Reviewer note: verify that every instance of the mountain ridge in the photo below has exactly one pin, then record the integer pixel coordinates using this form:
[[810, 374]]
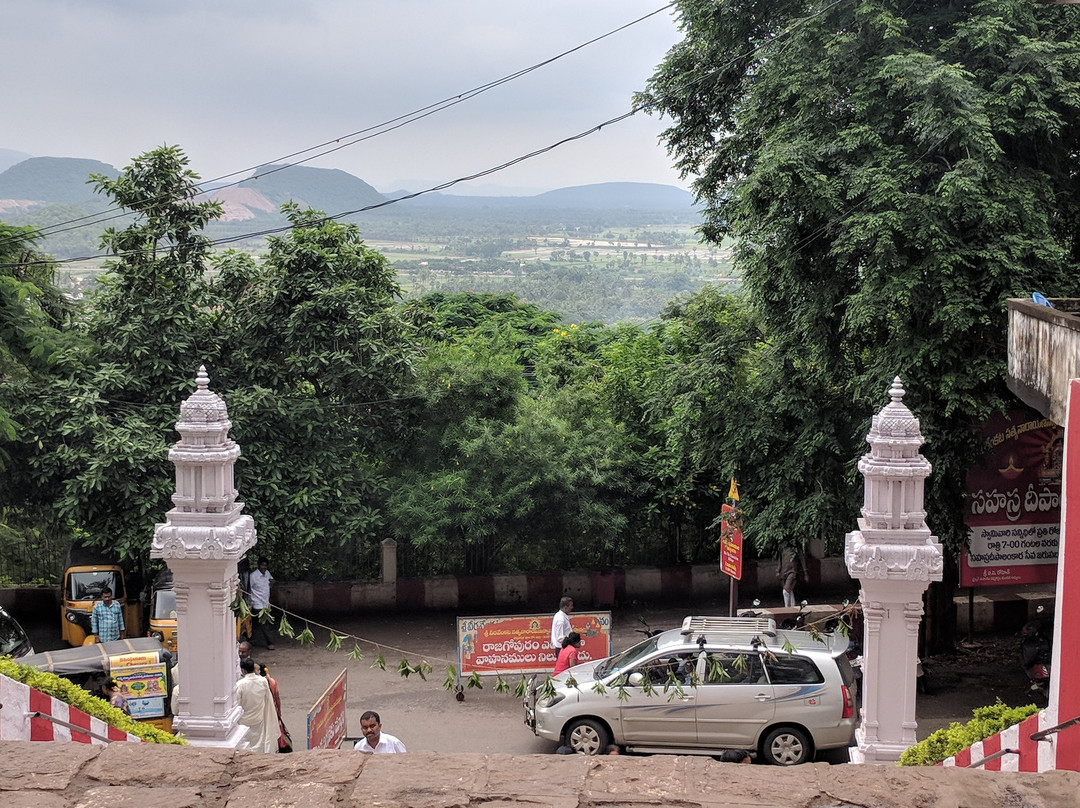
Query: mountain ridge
[[43, 181]]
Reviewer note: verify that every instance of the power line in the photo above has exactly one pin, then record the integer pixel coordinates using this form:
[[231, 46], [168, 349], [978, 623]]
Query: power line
[[358, 136], [789, 30]]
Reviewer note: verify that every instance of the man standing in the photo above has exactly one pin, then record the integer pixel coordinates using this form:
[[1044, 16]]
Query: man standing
[[560, 624], [260, 599], [259, 716], [789, 569], [107, 618], [377, 742]]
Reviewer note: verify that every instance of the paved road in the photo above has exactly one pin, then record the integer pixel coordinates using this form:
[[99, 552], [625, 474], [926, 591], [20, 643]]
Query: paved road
[[426, 716]]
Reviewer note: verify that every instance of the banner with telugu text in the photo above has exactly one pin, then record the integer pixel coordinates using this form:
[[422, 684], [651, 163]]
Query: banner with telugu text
[[1014, 504], [521, 643]]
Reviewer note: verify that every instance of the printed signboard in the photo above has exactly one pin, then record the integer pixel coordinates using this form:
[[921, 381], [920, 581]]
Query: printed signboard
[[1013, 506], [522, 643], [326, 719], [140, 681], [730, 542]]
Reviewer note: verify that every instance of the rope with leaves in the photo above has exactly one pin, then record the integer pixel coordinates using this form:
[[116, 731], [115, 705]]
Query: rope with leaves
[[673, 686]]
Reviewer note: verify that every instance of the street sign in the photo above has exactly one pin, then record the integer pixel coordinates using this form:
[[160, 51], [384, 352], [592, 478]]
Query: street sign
[[730, 543]]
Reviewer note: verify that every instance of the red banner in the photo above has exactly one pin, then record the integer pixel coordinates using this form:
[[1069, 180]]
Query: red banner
[[730, 542], [1013, 506], [521, 643], [326, 719]]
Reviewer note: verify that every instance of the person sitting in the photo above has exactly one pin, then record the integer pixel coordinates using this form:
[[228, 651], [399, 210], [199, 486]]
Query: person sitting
[[568, 656], [735, 756], [117, 699]]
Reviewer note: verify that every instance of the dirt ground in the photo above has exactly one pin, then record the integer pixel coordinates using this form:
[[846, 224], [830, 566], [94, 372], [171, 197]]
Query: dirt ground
[[427, 717]]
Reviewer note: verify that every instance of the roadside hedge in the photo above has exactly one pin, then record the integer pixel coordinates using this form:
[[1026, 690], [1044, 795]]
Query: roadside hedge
[[69, 692], [944, 743]]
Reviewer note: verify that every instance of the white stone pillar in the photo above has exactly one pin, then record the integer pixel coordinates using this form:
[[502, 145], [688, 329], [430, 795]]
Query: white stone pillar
[[202, 539], [894, 557]]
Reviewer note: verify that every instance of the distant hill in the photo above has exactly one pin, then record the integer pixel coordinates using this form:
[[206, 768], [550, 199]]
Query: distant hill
[[47, 191], [329, 190], [601, 196], [54, 180], [9, 157], [617, 195]]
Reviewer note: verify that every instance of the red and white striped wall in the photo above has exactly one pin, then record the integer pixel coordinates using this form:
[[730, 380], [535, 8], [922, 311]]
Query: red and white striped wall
[[1059, 750], [1025, 755], [18, 702]]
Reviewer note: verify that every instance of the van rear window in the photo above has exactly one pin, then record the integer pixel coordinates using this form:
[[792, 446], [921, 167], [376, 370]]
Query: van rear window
[[793, 670]]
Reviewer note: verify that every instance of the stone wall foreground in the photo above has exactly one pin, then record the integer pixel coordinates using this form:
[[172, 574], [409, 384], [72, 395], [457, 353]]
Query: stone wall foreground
[[66, 775]]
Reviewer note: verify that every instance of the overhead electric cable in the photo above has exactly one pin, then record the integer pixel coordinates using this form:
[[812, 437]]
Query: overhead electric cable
[[271, 231], [358, 136]]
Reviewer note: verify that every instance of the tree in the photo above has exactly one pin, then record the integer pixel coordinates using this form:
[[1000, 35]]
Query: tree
[[316, 356], [892, 174], [93, 449]]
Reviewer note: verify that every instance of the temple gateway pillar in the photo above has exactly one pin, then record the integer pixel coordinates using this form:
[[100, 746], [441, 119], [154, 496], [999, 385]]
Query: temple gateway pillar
[[203, 537], [894, 557]]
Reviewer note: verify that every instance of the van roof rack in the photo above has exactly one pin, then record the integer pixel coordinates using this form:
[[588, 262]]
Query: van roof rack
[[763, 628], [727, 625]]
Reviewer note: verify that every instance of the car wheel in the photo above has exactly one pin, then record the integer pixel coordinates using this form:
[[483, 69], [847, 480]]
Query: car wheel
[[785, 746], [586, 736]]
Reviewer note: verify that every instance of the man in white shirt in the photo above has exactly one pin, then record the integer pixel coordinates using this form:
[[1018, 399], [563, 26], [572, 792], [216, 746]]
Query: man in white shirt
[[259, 582], [259, 714], [560, 624], [377, 742]]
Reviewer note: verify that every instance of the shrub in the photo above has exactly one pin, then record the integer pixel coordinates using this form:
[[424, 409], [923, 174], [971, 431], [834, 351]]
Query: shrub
[[945, 743], [69, 692]]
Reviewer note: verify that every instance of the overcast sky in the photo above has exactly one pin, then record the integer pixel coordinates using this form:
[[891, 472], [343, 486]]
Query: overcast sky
[[237, 83]]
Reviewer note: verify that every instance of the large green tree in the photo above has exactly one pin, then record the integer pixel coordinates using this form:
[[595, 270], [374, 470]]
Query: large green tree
[[315, 355], [892, 173], [92, 450]]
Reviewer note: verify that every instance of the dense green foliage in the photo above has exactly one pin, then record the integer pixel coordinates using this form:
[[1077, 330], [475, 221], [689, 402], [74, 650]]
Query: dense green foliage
[[66, 691], [944, 743], [892, 173], [889, 176]]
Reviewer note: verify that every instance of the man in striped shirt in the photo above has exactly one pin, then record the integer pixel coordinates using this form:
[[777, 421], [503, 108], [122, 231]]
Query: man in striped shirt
[[107, 618]]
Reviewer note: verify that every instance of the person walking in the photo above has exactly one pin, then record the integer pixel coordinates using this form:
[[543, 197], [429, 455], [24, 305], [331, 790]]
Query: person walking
[[258, 713], [377, 742], [260, 582], [284, 738], [560, 624], [790, 567], [107, 618]]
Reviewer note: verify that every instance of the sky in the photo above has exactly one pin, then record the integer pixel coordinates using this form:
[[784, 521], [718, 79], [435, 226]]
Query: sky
[[240, 83]]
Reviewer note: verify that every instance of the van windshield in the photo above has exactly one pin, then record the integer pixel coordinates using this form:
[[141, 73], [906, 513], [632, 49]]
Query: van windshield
[[627, 659], [88, 585]]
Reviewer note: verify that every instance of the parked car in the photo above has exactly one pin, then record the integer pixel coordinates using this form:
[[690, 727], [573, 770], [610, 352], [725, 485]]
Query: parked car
[[13, 640], [716, 683]]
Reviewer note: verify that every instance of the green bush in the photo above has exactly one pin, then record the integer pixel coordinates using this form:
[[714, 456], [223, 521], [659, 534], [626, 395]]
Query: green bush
[[944, 743], [69, 692]]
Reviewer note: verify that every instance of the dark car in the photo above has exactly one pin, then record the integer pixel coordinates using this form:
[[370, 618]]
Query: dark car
[[13, 640]]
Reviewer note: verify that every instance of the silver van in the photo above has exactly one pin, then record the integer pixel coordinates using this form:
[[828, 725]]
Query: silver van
[[716, 683]]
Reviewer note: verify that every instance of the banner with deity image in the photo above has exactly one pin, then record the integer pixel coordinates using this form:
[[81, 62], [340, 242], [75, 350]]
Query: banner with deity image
[[1014, 503]]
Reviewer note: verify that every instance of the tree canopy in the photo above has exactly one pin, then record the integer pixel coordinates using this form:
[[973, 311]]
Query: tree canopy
[[891, 173]]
